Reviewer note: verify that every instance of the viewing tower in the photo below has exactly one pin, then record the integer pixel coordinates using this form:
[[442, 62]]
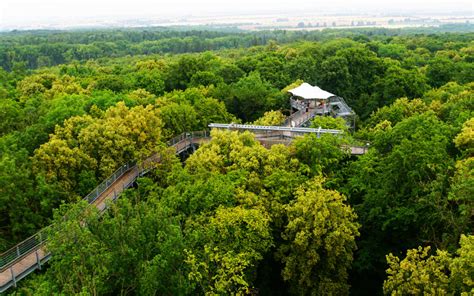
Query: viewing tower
[[309, 101]]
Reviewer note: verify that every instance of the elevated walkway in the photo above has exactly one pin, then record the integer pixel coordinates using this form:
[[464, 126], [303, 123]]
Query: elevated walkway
[[300, 118], [284, 130], [340, 108], [31, 254]]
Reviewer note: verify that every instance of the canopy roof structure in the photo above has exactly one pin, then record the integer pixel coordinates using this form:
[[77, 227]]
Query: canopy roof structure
[[308, 92]]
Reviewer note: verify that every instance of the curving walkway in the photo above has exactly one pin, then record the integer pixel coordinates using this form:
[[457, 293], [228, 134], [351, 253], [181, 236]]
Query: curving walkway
[[29, 255]]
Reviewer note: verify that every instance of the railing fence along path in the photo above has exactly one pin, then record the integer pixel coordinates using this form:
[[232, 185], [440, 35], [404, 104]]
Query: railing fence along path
[[30, 254]]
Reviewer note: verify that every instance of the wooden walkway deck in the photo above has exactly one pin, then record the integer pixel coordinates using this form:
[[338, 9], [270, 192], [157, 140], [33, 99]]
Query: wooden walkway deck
[[37, 255]]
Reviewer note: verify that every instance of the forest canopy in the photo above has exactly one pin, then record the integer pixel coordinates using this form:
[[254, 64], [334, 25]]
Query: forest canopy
[[236, 217]]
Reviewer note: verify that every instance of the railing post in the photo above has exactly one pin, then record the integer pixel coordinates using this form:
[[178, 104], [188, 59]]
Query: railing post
[[13, 277], [17, 250], [38, 261]]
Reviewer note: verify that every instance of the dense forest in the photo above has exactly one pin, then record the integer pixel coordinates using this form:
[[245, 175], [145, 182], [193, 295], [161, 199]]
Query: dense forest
[[235, 217]]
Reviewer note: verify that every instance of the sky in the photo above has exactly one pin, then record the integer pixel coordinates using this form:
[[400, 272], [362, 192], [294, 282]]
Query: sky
[[28, 11]]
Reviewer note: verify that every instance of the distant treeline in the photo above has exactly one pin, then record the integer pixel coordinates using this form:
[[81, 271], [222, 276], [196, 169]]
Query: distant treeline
[[35, 49]]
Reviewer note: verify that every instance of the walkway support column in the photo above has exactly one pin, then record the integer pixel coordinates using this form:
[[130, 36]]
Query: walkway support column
[[13, 276], [38, 261]]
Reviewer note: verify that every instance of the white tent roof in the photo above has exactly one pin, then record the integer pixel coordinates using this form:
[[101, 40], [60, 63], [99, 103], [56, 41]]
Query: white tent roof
[[306, 91]]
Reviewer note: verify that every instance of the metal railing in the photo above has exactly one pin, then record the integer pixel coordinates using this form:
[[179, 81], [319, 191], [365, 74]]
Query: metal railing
[[102, 187], [297, 104], [23, 248], [359, 150], [293, 130], [343, 108], [34, 242], [299, 118], [288, 120], [337, 106], [187, 136]]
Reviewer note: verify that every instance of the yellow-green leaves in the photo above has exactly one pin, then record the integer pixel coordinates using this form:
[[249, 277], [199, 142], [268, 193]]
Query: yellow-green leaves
[[462, 191], [245, 230], [225, 150], [99, 144], [220, 274], [420, 273], [235, 239], [62, 163], [49, 85], [270, 118], [462, 267], [123, 134], [319, 241], [465, 139]]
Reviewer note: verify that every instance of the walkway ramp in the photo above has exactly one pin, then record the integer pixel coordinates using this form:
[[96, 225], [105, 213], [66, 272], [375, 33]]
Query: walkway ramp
[[340, 107], [31, 254], [300, 118]]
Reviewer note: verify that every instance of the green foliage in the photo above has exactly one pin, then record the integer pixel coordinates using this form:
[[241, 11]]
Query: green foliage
[[396, 112], [205, 78], [150, 80], [440, 71], [271, 118], [178, 118], [213, 225], [392, 50], [465, 139], [77, 271], [192, 196], [98, 144], [235, 239], [404, 187], [319, 241], [141, 249], [110, 82], [210, 110], [329, 122], [398, 82], [11, 116], [250, 97], [335, 74], [21, 198], [438, 274], [191, 110], [322, 154]]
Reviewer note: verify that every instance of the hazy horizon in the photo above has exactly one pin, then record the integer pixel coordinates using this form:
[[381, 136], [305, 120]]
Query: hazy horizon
[[30, 13]]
